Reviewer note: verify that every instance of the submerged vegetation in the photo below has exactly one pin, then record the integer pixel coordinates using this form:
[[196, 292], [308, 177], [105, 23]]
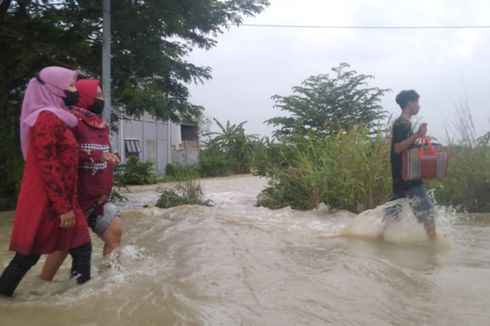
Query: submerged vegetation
[[188, 192]]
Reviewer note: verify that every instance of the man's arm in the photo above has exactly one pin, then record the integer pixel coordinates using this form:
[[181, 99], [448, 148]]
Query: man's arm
[[405, 144]]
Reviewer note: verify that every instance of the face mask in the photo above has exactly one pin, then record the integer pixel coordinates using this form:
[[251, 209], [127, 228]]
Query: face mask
[[71, 98], [97, 107]]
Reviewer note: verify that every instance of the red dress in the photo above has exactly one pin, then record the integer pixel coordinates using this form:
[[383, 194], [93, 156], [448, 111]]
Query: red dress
[[48, 190]]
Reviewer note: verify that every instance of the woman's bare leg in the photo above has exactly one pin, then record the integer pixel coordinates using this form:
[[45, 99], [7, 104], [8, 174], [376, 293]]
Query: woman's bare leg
[[52, 264]]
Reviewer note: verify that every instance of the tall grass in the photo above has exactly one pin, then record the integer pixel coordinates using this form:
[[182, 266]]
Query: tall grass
[[347, 171], [467, 186]]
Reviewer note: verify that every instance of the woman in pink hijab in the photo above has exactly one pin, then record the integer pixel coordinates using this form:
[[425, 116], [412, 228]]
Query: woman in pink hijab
[[48, 216]]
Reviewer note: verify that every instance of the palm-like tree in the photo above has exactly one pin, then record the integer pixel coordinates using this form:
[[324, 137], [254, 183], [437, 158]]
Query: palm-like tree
[[232, 140]]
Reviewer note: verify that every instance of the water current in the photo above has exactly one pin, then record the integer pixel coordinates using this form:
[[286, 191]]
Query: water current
[[238, 264]]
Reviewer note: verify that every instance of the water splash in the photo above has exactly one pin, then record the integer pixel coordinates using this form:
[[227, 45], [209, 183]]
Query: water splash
[[404, 229]]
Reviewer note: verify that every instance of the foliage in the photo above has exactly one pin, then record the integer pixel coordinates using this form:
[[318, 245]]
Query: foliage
[[327, 105], [170, 170], [179, 172], [135, 172], [188, 192], [346, 171], [149, 52], [150, 41], [215, 164], [10, 174], [267, 155], [467, 186], [232, 142], [117, 196]]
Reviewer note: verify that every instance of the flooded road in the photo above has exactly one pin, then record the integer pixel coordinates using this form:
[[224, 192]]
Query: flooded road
[[237, 264]]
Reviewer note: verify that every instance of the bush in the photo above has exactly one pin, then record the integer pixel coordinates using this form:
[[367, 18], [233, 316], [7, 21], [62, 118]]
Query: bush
[[215, 164], [188, 192], [170, 170], [180, 172], [135, 172], [467, 186], [347, 171]]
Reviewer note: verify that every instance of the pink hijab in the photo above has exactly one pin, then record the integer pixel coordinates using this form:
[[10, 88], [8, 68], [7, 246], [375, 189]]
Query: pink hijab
[[49, 96]]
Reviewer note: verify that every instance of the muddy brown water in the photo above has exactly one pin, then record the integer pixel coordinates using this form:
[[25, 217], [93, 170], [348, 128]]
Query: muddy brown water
[[237, 264]]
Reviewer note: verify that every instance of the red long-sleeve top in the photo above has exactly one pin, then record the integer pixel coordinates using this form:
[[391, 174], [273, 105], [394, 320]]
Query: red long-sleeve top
[[48, 190]]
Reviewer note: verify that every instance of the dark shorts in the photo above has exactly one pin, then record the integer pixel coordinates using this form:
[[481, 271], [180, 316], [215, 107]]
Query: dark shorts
[[419, 202]]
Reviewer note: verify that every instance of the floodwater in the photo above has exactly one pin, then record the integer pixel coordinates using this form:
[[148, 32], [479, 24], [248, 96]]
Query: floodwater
[[237, 264]]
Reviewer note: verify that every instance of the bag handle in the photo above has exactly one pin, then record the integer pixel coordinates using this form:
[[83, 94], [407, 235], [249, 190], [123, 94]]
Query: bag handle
[[431, 149]]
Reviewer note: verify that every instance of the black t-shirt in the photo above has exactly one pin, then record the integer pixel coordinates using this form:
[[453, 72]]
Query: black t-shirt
[[402, 129]]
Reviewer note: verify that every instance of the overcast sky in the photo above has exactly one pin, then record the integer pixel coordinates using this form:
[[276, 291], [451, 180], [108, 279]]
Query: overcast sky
[[447, 67]]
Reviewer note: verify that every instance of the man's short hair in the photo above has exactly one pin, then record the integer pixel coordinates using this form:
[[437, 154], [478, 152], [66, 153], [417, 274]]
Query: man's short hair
[[406, 96]]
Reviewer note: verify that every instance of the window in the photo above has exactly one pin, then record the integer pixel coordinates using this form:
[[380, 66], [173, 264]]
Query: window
[[132, 147], [189, 132]]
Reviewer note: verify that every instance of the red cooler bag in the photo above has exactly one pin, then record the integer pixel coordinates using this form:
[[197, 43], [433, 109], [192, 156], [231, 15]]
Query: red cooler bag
[[425, 161]]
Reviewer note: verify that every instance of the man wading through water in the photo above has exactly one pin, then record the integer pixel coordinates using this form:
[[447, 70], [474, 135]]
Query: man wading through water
[[402, 138]]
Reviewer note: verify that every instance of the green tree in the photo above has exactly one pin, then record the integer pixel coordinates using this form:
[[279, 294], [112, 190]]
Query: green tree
[[327, 104], [151, 41]]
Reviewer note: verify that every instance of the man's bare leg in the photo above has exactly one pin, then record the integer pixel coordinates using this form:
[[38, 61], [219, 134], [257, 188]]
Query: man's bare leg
[[430, 228]]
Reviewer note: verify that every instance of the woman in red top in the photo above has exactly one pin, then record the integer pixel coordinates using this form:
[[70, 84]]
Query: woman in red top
[[48, 216], [95, 173]]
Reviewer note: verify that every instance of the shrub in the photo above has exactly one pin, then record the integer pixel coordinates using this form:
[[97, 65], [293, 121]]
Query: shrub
[[347, 171], [170, 170], [467, 186], [135, 172], [180, 172], [188, 192], [215, 164]]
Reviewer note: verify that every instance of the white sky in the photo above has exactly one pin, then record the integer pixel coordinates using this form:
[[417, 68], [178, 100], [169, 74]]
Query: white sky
[[446, 67]]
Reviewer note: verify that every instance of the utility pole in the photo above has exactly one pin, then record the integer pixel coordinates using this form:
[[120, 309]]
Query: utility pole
[[116, 142], [106, 58]]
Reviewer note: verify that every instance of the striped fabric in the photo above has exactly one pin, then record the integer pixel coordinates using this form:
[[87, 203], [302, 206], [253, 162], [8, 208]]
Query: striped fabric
[[420, 163], [95, 167], [95, 147]]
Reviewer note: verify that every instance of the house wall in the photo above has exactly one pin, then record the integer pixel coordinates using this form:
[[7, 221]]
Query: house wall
[[160, 142]]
